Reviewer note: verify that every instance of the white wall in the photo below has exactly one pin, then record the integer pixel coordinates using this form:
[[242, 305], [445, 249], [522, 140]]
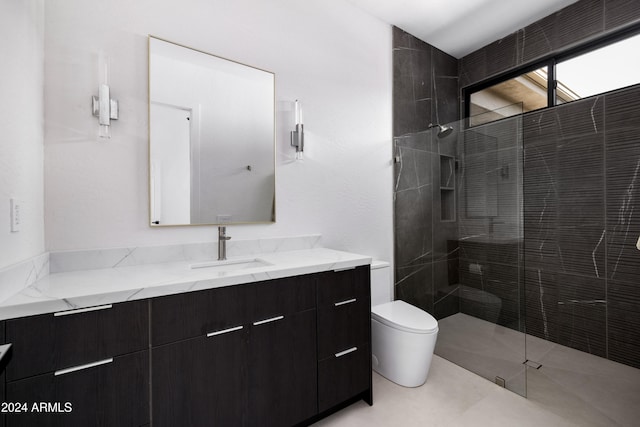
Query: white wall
[[21, 128], [331, 56]]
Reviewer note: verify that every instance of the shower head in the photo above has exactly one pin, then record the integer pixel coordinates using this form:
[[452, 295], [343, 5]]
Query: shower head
[[442, 130]]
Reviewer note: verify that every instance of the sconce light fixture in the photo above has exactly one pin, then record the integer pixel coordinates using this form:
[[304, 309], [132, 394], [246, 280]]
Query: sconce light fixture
[[297, 135], [102, 106]]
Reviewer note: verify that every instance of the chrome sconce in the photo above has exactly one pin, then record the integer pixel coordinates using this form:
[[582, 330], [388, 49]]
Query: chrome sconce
[[297, 135], [102, 106]]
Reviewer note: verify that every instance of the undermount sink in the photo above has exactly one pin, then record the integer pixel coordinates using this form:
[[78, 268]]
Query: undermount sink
[[232, 264]]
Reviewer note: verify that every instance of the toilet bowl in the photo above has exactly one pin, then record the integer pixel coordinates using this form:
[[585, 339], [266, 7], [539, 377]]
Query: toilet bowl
[[403, 339], [403, 336]]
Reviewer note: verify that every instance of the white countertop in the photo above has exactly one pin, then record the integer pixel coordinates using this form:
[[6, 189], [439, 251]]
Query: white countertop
[[86, 288]]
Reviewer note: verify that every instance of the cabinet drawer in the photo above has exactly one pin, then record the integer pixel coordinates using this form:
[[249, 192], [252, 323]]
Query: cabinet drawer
[[343, 326], [49, 342], [194, 314], [337, 286], [110, 394], [281, 297], [343, 376]]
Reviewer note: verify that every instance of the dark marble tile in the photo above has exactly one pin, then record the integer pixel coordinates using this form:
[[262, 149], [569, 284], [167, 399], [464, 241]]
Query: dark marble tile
[[445, 87], [540, 128], [566, 309], [414, 171], [582, 313], [414, 285], [404, 108], [447, 304], [424, 112], [620, 12], [440, 276], [421, 71], [473, 68], [536, 39], [444, 65], [453, 262], [623, 322], [502, 54], [581, 251], [623, 193], [402, 39], [503, 283], [581, 118], [577, 22], [445, 92], [413, 226], [417, 141], [541, 304]]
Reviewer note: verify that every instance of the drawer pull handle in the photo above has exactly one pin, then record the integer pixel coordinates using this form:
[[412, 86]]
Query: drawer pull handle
[[82, 310], [349, 301], [273, 319], [342, 353], [224, 331], [81, 367]]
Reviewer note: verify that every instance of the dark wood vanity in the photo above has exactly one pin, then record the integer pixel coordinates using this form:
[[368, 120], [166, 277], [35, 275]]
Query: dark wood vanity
[[281, 352]]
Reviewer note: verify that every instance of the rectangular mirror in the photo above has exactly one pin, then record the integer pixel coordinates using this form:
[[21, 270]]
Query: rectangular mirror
[[211, 139]]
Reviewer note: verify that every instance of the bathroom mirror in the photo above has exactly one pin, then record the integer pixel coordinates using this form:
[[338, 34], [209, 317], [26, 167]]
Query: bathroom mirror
[[211, 139]]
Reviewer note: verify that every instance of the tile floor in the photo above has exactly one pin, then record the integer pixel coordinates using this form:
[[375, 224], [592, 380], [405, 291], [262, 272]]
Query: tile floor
[[571, 388]]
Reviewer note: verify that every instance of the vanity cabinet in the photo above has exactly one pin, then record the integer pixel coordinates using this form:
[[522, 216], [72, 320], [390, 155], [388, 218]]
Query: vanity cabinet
[[253, 363], [344, 337], [280, 352], [80, 367]]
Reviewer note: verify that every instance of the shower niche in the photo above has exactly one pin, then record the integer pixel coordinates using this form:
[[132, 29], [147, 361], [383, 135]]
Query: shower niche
[[447, 188]]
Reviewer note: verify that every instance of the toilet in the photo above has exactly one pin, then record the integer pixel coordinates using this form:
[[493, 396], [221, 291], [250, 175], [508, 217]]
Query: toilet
[[403, 336]]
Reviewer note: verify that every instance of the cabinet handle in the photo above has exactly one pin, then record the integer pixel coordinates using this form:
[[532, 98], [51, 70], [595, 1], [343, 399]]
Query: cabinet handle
[[224, 331], [273, 319], [81, 367], [349, 301], [342, 353], [337, 270], [82, 310]]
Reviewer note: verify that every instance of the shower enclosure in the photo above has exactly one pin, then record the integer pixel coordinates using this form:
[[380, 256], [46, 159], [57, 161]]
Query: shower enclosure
[[519, 235]]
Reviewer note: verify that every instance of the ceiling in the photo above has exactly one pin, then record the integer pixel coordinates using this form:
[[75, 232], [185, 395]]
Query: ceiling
[[459, 27]]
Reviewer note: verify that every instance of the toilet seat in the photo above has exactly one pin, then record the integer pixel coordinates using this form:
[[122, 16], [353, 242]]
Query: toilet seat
[[405, 317]]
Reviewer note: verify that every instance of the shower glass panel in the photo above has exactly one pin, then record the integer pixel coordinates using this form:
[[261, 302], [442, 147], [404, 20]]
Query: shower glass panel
[[480, 312]]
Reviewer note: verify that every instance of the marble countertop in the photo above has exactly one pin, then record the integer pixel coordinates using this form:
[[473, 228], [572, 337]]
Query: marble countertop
[[86, 288]]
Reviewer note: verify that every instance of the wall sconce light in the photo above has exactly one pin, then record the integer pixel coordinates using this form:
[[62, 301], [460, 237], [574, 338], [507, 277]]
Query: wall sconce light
[[297, 135], [102, 106]]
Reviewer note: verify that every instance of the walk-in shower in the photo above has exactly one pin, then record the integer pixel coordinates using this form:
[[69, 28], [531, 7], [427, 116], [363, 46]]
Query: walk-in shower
[[519, 236]]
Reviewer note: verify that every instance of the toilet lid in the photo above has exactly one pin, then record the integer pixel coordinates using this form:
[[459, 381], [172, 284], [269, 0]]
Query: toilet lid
[[400, 315]]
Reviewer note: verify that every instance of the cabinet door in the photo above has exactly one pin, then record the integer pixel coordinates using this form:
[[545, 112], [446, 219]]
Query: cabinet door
[[201, 381], [282, 375], [114, 393]]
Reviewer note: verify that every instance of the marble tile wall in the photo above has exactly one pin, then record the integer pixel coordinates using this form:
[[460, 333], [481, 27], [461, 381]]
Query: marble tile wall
[[581, 162], [575, 23], [582, 170], [425, 89]]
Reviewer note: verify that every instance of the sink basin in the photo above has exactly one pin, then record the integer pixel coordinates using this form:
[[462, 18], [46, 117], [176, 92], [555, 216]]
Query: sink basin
[[232, 264]]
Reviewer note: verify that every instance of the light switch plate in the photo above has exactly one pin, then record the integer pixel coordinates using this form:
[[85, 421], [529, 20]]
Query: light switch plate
[[16, 215]]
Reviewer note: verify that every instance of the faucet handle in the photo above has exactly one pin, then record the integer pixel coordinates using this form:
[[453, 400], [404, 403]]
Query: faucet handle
[[222, 233]]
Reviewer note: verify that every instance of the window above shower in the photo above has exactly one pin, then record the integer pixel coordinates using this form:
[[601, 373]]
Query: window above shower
[[601, 66]]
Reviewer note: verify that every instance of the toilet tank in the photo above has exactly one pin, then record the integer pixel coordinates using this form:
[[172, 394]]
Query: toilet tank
[[381, 286]]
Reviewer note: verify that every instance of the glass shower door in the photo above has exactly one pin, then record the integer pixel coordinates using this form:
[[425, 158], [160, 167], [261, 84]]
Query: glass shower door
[[482, 328]]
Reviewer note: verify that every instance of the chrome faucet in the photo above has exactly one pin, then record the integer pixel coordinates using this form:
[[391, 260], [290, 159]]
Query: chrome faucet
[[222, 243]]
